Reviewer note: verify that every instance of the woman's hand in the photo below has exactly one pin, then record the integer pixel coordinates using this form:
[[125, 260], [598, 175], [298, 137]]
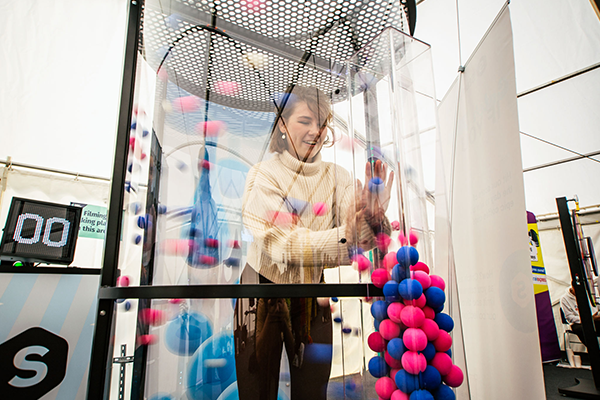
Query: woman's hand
[[375, 198]]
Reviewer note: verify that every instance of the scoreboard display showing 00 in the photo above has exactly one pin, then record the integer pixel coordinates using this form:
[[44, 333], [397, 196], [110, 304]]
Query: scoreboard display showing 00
[[38, 231]]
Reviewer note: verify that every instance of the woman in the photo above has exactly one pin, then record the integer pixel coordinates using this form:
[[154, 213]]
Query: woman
[[305, 215]]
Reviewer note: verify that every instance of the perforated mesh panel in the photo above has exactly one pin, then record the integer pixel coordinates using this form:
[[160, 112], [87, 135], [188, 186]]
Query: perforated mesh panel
[[305, 42]]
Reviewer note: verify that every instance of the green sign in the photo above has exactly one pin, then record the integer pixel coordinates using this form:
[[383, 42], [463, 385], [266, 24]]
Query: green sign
[[93, 222]]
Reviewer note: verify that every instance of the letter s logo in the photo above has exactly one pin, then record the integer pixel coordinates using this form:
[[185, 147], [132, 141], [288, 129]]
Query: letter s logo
[[32, 364]]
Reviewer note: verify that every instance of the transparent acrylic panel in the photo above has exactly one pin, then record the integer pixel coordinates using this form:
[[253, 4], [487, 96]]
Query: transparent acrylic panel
[[250, 348], [255, 164]]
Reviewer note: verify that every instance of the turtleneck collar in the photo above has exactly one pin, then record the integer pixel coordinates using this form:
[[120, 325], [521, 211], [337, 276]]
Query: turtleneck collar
[[300, 167]]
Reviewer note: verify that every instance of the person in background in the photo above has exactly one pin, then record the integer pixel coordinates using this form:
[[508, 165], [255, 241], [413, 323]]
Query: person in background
[[568, 305]]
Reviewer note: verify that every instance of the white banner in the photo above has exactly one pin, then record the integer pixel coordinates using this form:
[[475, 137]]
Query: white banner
[[489, 225]]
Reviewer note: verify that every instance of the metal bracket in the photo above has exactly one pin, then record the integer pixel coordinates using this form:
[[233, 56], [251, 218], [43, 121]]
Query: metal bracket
[[123, 359]]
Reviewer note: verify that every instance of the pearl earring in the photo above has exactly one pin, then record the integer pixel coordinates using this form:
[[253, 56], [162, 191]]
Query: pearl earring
[[283, 137]]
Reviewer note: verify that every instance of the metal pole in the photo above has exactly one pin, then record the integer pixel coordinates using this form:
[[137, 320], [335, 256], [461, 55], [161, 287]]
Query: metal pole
[[104, 314], [584, 388]]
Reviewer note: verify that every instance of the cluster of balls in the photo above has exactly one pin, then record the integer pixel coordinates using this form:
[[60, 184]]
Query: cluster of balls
[[412, 334]]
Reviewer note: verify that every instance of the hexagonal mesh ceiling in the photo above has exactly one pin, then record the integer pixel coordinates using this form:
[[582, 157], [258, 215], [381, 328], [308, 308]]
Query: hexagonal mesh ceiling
[[242, 53]]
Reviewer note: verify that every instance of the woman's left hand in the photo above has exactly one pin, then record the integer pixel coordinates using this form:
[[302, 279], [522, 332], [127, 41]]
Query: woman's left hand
[[376, 196]]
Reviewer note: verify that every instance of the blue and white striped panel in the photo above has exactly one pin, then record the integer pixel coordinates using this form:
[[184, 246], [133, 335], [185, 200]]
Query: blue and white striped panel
[[62, 304]]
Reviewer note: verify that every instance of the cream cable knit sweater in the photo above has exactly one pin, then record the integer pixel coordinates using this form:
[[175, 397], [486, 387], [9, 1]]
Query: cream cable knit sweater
[[290, 249]]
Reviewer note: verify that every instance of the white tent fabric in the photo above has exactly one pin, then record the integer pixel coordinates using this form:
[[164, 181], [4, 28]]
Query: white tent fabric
[[551, 40], [61, 67], [486, 203]]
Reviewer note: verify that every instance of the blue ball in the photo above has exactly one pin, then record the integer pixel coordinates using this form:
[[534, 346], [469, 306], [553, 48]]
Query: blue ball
[[407, 256], [137, 239], [390, 291], [145, 133], [410, 289], [186, 332], [162, 209], [396, 348], [337, 320], [444, 321], [406, 382], [399, 273], [421, 395], [376, 185], [435, 297], [439, 309], [347, 330], [429, 352], [134, 125], [378, 367], [379, 310], [449, 352], [212, 368], [334, 299], [444, 393], [431, 379], [141, 222], [127, 306], [376, 324]]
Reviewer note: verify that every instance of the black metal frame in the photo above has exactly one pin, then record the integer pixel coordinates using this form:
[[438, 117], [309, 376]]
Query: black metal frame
[[101, 357], [104, 313], [584, 389]]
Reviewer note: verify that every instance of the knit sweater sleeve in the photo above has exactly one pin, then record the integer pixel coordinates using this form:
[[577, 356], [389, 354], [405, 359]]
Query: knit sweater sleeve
[[275, 232]]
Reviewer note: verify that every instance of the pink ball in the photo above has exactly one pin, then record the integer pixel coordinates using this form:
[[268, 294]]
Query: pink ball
[[362, 262], [431, 329], [442, 362], [186, 104], [394, 311], [384, 387], [207, 260], [393, 373], [162, 74], [429, 313], [389, 260], [227, 88], [389, 329], [144, 340], [391, 361], [443, 342], [376, 342], [420, 266], [320, 209], [210, 242], [281, 219], [176, 246], [413, 237], [402, 239], [422, 277], [383, 241], [399, 395], [412, 316], [132, 142], [455, 377], [414, 339], [205, 164], [414, 362], [253, 6], [395, 225], [151, 316], [210, 128], [123, 281], [420, 302], [379, 277], [437, 281], [175, 301]]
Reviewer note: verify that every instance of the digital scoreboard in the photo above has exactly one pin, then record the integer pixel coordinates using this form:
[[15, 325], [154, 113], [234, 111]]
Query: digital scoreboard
[[37, 231]]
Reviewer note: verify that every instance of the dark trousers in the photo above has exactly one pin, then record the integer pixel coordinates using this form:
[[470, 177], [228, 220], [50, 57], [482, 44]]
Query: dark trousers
[[578, 330], [282, 323]]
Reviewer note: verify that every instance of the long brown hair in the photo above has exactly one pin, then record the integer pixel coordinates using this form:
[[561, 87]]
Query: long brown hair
[[318, 103]]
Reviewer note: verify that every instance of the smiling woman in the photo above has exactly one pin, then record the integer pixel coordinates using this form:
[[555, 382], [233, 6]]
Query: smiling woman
[[305, 215]]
